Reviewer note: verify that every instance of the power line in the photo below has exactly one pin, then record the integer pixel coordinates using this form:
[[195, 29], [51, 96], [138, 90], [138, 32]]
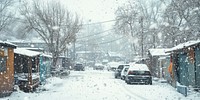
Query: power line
[[95, 34], [91, 39], [107, 21], [109, 41]]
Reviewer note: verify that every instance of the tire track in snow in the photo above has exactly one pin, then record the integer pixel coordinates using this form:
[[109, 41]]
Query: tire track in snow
[[129, 92]]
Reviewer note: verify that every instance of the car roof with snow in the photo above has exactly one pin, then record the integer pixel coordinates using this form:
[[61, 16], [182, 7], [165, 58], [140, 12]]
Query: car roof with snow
[[124, 64], [98, 64], [141, 67]]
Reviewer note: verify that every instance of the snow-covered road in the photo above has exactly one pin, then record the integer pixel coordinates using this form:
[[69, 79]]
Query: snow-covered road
[[99, 85]]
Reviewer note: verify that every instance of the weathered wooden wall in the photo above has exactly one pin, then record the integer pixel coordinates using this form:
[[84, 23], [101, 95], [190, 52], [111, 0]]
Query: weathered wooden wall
[[7, 77]]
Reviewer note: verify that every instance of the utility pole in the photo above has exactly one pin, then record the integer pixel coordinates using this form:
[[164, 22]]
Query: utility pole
[[74, 51], [85, 53], [142, 35]]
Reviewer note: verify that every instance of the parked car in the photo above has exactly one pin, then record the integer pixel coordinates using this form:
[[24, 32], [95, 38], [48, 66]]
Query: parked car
[[98, 66], [79, 67], [124, 72], [138, 74], [119, 70], [112, 66]]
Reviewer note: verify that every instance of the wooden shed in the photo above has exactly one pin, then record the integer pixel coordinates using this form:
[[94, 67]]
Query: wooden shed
[[6, 68], [27, 69], [154, 65], [185, 59]]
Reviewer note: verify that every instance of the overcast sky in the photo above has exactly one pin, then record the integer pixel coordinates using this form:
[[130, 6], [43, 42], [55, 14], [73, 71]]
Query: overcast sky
[[95, 10]]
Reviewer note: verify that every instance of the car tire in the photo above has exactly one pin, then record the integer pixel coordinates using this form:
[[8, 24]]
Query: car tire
[[150, 83], [127, 82], [123, 78]]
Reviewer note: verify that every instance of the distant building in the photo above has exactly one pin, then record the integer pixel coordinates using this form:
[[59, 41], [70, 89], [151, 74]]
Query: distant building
[[88, 57], [116, 57], [155, 56], [34, 46]]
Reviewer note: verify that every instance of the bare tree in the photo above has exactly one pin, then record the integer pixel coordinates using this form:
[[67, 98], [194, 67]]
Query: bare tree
[[182, 18], [55, 25], [6, 17], [127, 23], [135, 20]]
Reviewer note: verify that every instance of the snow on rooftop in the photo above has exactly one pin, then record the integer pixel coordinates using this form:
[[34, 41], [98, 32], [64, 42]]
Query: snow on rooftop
[[46, 55], [114, 54], [28, 41], [153, 26], [26, 52], [158, 52], [8, 43], [83, 52], [183, 45]]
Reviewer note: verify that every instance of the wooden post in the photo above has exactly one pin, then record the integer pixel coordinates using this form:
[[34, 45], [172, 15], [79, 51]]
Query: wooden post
[[30, 82]]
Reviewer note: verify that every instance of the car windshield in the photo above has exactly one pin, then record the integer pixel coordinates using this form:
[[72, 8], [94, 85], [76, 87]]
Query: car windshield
[[120, 67]]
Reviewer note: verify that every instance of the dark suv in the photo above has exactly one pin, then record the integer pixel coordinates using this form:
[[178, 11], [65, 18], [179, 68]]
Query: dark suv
[[119, 70], [79, 67]]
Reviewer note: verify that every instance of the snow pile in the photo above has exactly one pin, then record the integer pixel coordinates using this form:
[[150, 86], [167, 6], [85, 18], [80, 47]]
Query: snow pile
[[52, 82]]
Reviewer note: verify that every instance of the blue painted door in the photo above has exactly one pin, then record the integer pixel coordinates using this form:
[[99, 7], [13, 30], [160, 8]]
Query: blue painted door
[[42, 70], [197, 67], [183, 74]]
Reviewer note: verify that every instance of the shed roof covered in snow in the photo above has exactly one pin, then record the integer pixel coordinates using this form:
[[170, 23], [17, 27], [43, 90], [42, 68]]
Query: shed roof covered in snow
[[183, 45], [8, 44], [114, 54], [158, 52], [26, 52], [46, 55]]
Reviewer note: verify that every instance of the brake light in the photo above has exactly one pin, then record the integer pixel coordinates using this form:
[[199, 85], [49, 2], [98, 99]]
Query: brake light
[[129, 72]]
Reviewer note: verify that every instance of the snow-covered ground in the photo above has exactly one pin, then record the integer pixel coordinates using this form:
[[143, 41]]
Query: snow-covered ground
[[99, 85]]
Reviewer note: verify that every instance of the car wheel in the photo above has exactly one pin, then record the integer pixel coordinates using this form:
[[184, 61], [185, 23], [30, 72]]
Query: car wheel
[[127, 82], [150, 83], [123, 77]]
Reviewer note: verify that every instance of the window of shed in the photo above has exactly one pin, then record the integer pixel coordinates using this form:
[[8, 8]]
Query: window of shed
[[2, 64]]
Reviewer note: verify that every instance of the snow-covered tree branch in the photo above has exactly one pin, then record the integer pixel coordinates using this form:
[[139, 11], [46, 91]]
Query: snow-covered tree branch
[[54, 24]]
